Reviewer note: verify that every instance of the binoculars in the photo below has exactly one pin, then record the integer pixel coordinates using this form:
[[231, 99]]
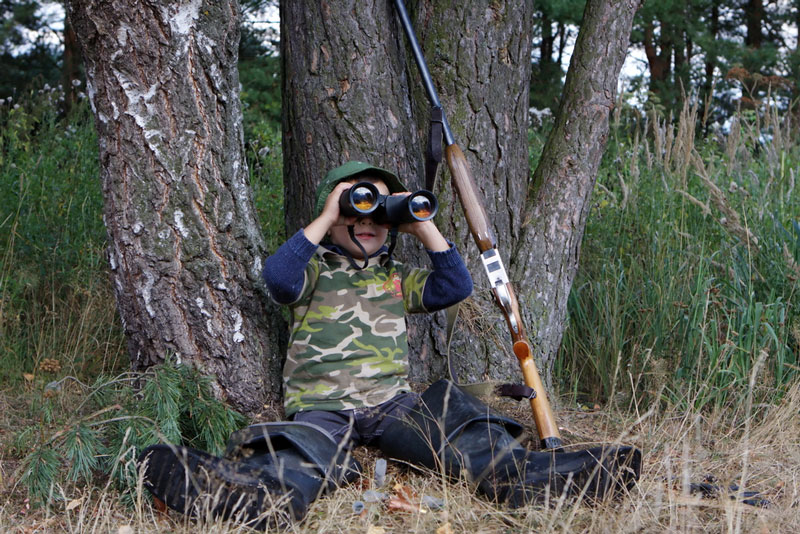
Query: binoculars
[[364, 200]]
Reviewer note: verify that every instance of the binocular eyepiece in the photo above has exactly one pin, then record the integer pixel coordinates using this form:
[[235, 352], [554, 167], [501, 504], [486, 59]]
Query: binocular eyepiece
[[364, 200]]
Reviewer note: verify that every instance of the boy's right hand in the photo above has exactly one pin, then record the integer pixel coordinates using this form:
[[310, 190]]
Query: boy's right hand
[[330, 216], [330, 212]]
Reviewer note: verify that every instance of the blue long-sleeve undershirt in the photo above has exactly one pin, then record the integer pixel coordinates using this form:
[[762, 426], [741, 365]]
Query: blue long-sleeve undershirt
[[284, 272]]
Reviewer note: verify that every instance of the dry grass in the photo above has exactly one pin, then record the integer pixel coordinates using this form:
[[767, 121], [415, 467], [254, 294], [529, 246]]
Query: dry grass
[[759, 452]]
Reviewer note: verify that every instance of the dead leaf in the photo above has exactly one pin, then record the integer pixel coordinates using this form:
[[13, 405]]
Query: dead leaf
[[74, 503], [404, 500], [375, 530], [28, 377], [398, 504], [445, 529], [160, 506], [405, 492]]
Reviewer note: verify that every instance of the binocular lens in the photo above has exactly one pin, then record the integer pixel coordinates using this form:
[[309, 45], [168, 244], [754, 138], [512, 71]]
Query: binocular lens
[[363, 198], [421, 206]]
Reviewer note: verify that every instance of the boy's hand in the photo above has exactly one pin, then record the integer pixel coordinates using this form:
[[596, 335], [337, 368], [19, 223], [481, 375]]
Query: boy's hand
[[330, 212], [330, 216], [426, 231]]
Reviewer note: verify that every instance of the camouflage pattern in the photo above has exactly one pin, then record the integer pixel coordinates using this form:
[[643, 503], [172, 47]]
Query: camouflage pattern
[[348, 346]]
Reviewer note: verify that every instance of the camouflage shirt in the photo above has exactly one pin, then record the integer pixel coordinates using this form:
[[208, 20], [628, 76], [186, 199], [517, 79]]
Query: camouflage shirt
[[348, 345]]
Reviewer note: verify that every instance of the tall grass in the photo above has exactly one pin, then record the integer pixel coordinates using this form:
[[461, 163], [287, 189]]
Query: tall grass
[[55, 304], [689, 265]]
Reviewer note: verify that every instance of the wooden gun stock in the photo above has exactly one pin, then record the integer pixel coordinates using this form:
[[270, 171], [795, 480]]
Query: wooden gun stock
[[477, 220], [478, 223]]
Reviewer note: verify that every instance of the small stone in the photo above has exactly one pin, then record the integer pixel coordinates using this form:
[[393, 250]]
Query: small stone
[[432, 503], [380, 472]]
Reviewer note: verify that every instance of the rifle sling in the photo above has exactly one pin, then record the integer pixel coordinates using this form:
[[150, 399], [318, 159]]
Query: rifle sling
[[433, 153]]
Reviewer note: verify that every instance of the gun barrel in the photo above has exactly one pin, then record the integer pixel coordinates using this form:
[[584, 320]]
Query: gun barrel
[[427, 81]]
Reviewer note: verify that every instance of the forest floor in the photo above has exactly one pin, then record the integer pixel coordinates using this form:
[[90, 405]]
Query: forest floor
[[755, 448]]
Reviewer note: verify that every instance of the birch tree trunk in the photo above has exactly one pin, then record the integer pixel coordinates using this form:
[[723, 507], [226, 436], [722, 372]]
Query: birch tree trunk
[[352, 92], [185, 248]]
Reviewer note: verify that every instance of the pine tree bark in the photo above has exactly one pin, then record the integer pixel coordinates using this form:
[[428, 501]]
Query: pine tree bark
[[184, 244], [558, 200], [352, 92]]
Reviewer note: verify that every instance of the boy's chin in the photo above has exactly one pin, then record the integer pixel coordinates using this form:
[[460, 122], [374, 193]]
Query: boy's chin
[[357, 253]]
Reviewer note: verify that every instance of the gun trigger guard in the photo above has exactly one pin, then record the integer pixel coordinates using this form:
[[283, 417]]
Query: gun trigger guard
[[505, 303]]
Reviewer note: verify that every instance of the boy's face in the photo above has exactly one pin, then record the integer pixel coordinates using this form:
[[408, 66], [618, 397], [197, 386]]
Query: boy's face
[[371, 236]]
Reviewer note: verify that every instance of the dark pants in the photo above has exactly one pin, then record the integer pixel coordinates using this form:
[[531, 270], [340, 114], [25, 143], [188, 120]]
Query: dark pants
[[360, 426]]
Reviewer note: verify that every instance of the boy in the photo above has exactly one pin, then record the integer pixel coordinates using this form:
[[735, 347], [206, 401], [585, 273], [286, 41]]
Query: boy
[[346, 383], [348, 348]]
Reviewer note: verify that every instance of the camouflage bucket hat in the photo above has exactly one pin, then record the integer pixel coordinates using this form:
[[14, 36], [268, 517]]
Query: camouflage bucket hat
[[349, 170]]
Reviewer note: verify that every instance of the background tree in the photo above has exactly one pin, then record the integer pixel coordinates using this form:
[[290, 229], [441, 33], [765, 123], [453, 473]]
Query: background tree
[[668, 32], [184, 245], [351, 93], [555, 24]]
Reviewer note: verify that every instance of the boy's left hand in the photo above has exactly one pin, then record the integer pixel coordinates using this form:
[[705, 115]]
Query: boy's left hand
[[426, 231]]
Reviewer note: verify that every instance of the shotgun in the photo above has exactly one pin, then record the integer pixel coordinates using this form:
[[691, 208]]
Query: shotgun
[[478, 223]]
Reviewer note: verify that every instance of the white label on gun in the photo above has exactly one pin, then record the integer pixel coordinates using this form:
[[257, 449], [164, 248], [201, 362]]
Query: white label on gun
[[494, 267]]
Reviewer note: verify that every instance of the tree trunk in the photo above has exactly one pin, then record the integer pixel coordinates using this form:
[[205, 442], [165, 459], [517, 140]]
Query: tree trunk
[[70, 70], [754, 18], [184, 244], [352, 92], [659, 58], [548, 248], [710, 64], [548, 40]]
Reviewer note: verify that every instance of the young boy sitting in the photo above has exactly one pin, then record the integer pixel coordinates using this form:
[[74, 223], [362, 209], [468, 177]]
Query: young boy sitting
[[348, 352], [345, 381]]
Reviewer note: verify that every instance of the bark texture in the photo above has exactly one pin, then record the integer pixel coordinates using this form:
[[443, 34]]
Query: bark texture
[[546, 254], [184, 244]]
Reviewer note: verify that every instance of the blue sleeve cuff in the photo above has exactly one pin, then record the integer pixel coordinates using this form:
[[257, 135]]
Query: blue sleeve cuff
[[446, 258], [301, 246], [449, 282], [284, 271]]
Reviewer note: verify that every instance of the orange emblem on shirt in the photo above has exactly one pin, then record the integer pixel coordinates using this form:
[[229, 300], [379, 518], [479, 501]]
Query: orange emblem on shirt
[[393, 286]]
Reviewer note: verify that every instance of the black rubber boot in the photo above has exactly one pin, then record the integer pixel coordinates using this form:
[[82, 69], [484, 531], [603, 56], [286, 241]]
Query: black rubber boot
[[269, 475], [452, 430]]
